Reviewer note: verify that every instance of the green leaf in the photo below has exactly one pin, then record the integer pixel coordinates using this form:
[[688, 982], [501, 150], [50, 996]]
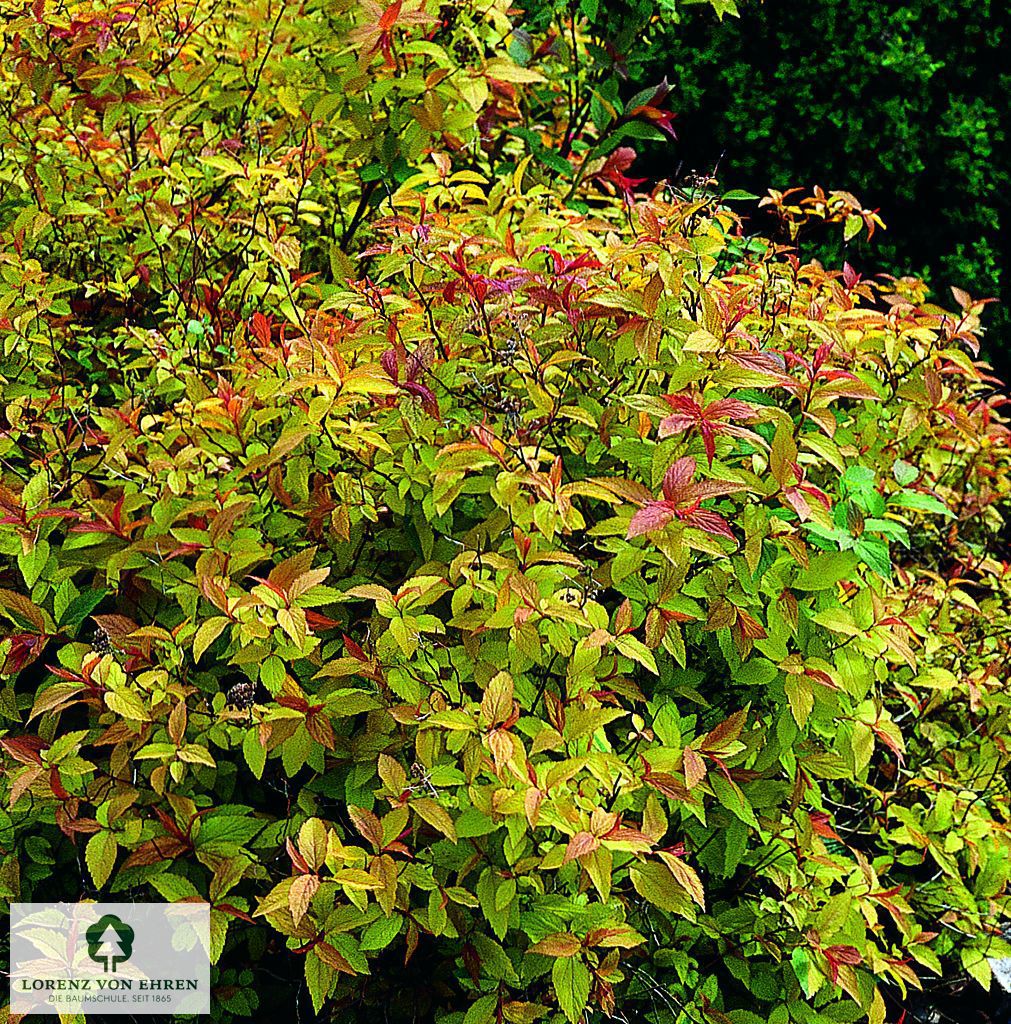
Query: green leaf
[[810, 978], [272, 674], [100, 856], [977, 965], [590, 9], [173, 888], [921, 503], [32, 562], [839, 620], [495, 962], [481, 1011], [654, 882], [852, 228], [732, 797], [637, 651], [127, 704], [155, 752], [800, 693], [196, 753], [254, 752], [319, 979], [381, 933], [472, 823], [208, 632], [80, 608], [571, 980], [77, 208], [638, 130], [875, 554], [826, 571], [756, 672], [936, 678], [904, 472]]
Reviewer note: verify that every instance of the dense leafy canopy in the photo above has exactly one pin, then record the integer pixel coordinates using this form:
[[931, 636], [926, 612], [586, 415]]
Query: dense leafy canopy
[[501, 594], [904, 103]]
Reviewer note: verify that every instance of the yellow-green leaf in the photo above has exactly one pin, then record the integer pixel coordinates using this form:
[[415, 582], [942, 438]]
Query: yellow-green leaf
[[100, 856], [208, 632], [436, 815]]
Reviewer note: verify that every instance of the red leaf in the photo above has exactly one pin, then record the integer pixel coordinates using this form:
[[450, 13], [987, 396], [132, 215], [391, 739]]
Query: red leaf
[[56, 785], [319, 728], [390, 15], [749, 626], [317, 621], [24, 748], [621, 834], [561, 944], [720, 736], [695, 767], [389, 363], [654, 516], [227, 908], [155, 850], [367, 824], [820, 825], [677, 480], [579, 845], [328, 954], [710, 522], [614, 169], [428, 400], [295, 703], [689, 413], [260, 326], [25, 648], [836, 955], [669, 785], [731, 409], [354, 650], [297, 860]]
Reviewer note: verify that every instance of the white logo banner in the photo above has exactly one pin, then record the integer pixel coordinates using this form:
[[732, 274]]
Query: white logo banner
[[110, 958]]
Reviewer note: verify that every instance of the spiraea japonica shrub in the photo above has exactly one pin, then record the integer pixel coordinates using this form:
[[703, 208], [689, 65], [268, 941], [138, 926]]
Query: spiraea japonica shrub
[[503, 594]]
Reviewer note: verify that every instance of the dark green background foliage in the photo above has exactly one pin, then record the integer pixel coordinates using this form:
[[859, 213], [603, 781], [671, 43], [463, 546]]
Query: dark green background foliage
[[903, 104]]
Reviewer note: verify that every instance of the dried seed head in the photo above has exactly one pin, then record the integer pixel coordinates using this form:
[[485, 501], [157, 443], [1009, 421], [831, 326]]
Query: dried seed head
[[241, 695], [101, 642]]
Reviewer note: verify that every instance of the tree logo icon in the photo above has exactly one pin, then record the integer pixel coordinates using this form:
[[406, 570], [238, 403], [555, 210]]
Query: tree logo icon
[[110, 942]]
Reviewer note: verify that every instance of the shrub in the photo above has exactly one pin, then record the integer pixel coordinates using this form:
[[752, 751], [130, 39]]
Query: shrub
[[563, 609]]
